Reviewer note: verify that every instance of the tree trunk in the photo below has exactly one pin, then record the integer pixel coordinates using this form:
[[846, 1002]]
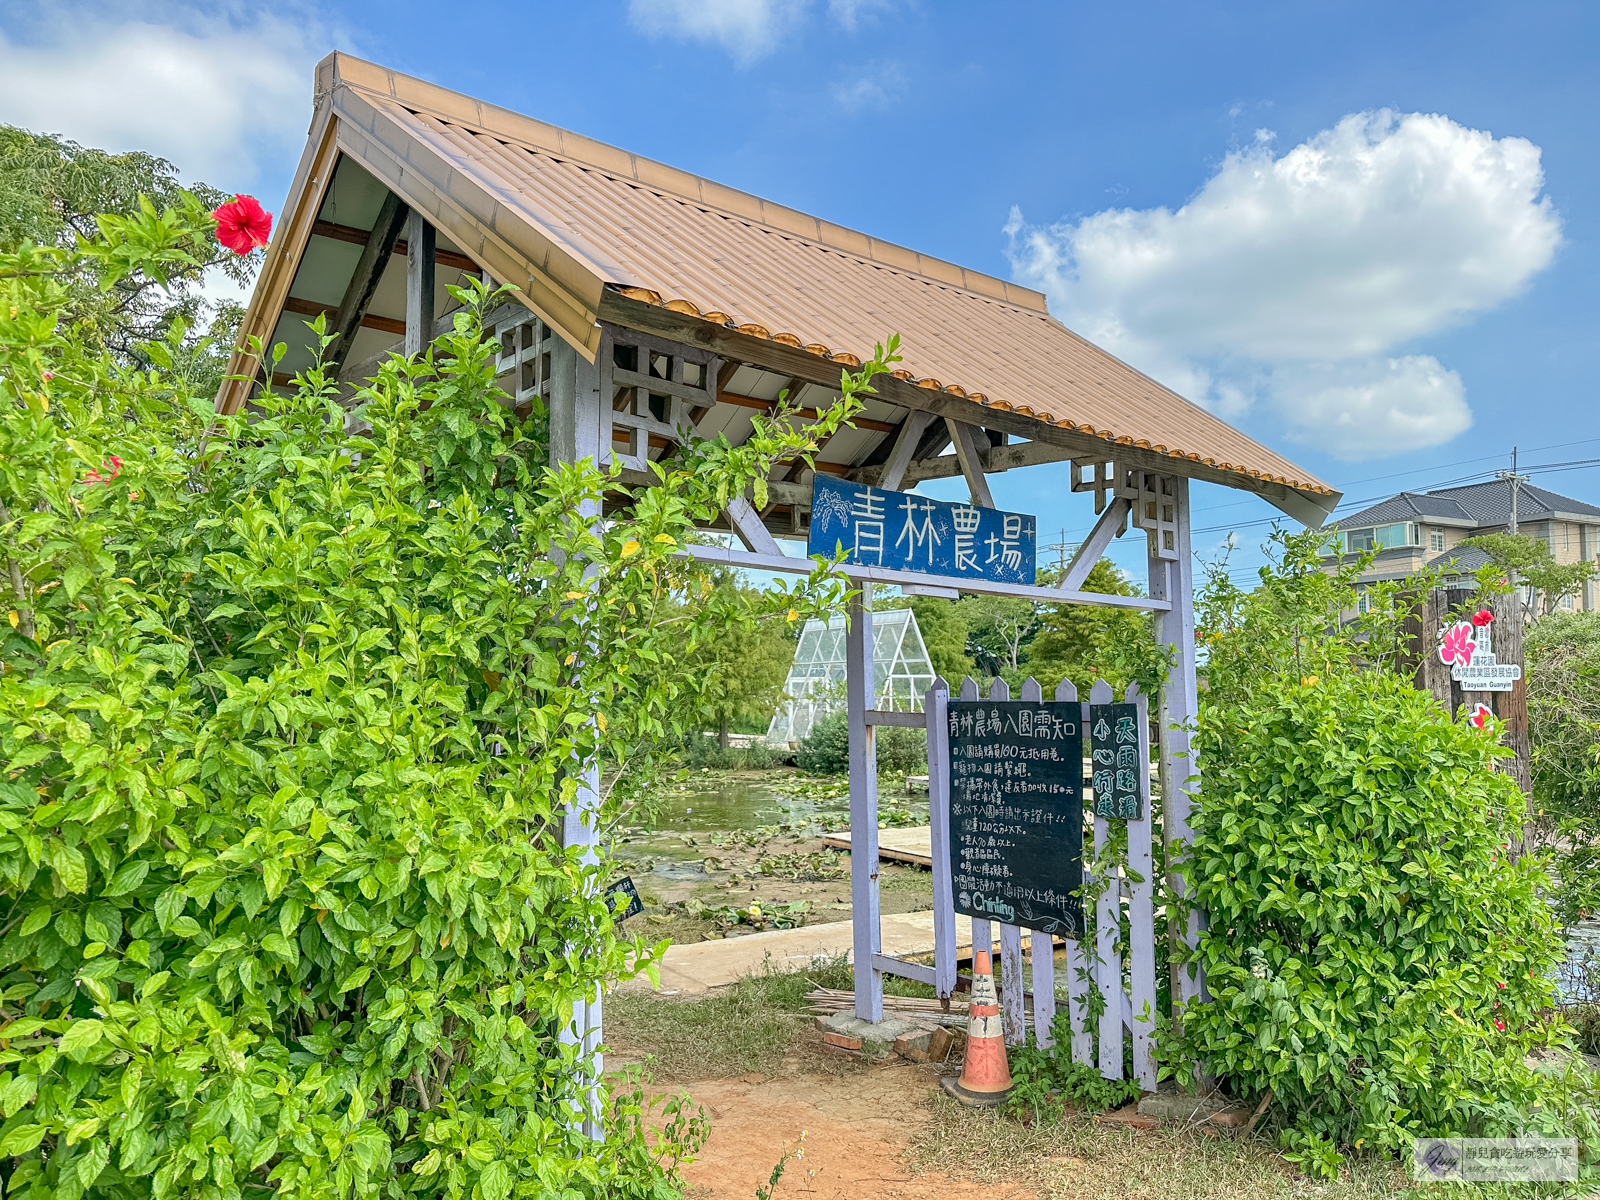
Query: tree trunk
[[1513, 705], [723, 739]]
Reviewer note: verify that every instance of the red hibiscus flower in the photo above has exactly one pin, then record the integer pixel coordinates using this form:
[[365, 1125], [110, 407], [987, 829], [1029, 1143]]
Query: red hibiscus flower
[[96, 477], [1482, 617], [242, 224]]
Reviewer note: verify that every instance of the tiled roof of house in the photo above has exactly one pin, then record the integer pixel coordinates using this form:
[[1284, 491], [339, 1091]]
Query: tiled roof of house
[[1486, 503], [1463, 560]]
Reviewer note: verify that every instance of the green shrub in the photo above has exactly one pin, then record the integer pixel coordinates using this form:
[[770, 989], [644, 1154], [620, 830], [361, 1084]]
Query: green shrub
[[826, 749], [902, 751], [291, 722], [1373, 956], [699, 750], [1046, 1081]]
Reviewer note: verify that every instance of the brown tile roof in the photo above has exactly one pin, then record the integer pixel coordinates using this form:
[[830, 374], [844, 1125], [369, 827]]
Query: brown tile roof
[[574, 216]]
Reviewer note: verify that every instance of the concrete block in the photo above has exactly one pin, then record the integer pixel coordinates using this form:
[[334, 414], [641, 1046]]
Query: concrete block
[[846, 1031]]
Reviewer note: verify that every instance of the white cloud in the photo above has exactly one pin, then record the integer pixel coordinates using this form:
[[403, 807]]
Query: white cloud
[[214, 95], [1367, 408], [1283, 271], [876, 86], [848, 12], [746, 29]]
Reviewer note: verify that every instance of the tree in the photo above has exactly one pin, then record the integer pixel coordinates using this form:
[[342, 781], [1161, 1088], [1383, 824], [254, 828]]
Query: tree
[[53, 193], [943, 625], [1084, 643], [745, 666], [999, 629], [1529, 560], [292, 721]]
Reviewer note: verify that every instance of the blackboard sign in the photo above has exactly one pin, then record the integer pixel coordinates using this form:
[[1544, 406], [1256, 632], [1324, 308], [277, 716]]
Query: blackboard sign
[[1118, 765], [1016, 812], [624, 887]]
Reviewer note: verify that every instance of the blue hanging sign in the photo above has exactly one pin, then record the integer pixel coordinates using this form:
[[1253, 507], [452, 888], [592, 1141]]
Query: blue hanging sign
[[878, 528]]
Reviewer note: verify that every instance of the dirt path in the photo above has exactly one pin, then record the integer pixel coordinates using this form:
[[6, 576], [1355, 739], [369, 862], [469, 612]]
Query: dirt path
[[856, 1126]]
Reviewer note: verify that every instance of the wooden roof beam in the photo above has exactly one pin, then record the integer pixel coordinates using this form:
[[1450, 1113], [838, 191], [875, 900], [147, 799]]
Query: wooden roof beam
[[776, 356], [375, 252], [349, 233]]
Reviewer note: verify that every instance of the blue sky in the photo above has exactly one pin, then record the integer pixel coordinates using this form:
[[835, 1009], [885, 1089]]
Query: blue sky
[[1364, 233]]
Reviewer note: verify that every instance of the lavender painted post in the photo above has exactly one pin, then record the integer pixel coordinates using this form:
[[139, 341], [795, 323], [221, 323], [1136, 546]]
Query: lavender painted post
[[859, 697], [576, 424], [982, 935], [1077, 964], [937, 707], [1172, 580], [1107, 915], [1141, 910]]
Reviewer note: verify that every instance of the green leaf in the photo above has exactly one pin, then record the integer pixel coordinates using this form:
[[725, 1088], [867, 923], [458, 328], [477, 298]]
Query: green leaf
[[495, 1182], [93, 1161], [21, 1139], [80, 1036], [35, 920], [129, 876], [355, 979], [70, 867]]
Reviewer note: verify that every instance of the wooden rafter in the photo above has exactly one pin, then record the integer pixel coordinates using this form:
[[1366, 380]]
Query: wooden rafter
[[349, 233], [310, 308], [809, 414], [375, 252]]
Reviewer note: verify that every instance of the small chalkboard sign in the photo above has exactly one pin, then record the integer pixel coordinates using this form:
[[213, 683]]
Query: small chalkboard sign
[[1016, 812], [624, 887], [1118, 767]]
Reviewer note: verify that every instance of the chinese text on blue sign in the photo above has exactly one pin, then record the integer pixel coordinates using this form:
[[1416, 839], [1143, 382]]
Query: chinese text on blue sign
[[1117, 775], [912, 533], [1016, 812]]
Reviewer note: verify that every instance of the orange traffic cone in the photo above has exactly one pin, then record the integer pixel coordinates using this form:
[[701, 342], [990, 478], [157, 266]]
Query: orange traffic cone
[[985, 1075]]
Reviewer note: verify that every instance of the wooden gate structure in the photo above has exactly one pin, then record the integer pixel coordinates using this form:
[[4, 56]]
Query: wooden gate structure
[[651, 306]]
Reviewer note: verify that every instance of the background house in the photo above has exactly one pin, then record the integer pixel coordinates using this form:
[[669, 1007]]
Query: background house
[[1414, 530]]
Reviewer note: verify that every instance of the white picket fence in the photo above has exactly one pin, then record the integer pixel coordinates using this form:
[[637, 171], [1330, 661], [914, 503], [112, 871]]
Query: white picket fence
[[1094, 966]]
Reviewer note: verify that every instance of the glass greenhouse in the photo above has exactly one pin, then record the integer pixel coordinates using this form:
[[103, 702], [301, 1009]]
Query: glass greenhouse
[[815, 687]]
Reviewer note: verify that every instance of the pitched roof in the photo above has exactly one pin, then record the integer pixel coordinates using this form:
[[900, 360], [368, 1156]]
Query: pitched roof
[[1406, 506], [1487, 503], [1463, 560], [568, 222]]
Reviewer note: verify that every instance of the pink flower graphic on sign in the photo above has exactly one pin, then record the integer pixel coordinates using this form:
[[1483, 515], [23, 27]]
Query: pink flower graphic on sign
[[1458, 644], [1480, 720]]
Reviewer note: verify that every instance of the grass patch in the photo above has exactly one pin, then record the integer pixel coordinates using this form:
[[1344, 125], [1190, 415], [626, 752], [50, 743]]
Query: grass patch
[[751, 1025], [1078, 1157]]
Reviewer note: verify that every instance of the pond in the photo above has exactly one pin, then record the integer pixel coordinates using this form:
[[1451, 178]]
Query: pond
[[747, 800]]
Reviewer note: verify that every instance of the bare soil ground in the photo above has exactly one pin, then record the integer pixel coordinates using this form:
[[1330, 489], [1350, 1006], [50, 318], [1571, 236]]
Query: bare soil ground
[[857, 1127], [881, 1130]]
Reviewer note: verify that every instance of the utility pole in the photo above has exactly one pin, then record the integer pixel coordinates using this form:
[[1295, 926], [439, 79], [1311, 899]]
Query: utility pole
[[1513, 479]]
